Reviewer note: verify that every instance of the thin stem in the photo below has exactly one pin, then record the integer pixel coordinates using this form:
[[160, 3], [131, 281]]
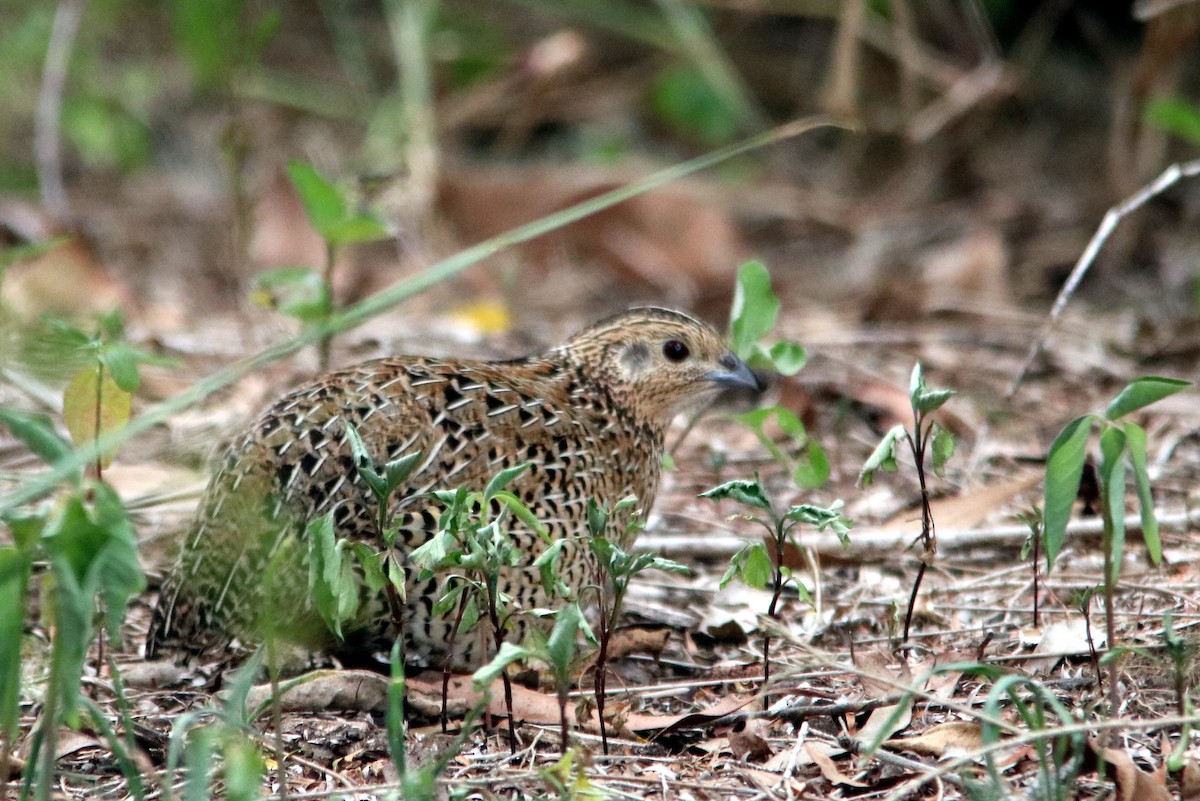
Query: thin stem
[[447, 662], [326, 344], [498, 635]]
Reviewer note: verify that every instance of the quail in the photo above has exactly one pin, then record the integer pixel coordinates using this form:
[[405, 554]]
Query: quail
[[588, 416]]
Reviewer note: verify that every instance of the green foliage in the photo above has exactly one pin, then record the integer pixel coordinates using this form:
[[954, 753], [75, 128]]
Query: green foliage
[[219, 39], [685, 100], [925, 436], [1177, 117], [329, 209], [1122, 449], [299, 292], [753, 563], [752, 317]]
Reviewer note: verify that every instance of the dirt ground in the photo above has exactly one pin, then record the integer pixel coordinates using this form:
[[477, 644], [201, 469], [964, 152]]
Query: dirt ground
[[938, 230]]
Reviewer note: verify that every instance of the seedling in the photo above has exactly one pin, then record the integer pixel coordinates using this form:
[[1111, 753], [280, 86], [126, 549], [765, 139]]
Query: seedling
[[472, 547], [753, 564], [618, 569], [559, 651], [304, 293], [751, 319], [1122, 449], [926, 437]]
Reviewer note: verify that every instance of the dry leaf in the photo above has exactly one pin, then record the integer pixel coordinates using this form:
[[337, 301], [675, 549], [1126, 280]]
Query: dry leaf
[[829, 768], [954, 738], [1133, 783]]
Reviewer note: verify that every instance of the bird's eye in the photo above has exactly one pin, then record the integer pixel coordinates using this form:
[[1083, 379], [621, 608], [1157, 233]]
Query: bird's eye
[[675, 351]]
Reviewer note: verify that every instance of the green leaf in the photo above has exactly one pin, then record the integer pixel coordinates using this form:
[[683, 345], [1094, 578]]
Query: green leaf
[[37, 433], [788, 358], [756, 570], [243, 769], [883, 457], [502, 480], [1112, 491], [508, 654], [755, 308], [747, 493], [1176, 116], [822, 517], [1135, 438], [122, 363], [942, 444], [298, 292], [561, 646], [365, 465], [322, 201], [359, 228], [685, 100], [325, 576], [1064, 469], [597, 518], [923, 399], [812, 471], [15, 570], [397, 471], [1143, 392]]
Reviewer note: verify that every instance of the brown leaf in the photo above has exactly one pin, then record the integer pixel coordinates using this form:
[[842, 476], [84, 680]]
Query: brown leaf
[[829, 768], [638, 640], [749, 746], [945, 739], [1133, 783]]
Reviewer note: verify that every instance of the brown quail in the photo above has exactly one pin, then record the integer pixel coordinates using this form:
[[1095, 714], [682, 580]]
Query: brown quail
[[590, 416]]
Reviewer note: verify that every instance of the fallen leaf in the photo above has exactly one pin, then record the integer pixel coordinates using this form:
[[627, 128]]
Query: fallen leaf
[[829, 769], [1133, 783], [953, 738]]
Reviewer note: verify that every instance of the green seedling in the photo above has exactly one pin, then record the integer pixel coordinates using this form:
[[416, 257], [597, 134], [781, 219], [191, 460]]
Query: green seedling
[[752, 318], [618, 569], [558, 650], [1122, 450], [753, 564], [472, 548], [307, 294], [926, 438]]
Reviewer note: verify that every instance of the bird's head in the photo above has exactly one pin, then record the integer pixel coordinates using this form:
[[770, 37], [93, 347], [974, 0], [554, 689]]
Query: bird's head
[[657, 362]]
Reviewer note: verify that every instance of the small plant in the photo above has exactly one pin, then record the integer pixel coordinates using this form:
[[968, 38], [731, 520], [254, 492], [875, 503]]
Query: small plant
[[753, 564], [926, 439], [1032, 548], [473, 547], [1122, 450], [752, 317], [98, 398], [307, 294], [558, 650], [618, 568]]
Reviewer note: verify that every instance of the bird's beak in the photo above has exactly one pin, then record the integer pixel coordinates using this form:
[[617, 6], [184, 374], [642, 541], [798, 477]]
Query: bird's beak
[[734, 374]]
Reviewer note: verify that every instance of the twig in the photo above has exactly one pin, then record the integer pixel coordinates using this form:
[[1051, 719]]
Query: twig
[[865, 543], [1169, 177], [46, 143]]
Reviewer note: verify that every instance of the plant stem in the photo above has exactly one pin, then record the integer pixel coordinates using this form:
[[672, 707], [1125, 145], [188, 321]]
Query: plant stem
[[498, 635], [326, 343], [918, 442], [447, 662]]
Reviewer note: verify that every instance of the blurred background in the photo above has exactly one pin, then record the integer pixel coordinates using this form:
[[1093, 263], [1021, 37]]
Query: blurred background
[[145, 148]]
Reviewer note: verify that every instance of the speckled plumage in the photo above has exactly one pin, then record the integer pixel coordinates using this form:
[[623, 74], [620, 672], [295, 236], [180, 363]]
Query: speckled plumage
[[589, 415]]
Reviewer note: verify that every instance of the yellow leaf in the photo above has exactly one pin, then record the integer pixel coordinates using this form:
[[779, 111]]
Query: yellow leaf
[[93, 405], [485, 318]]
